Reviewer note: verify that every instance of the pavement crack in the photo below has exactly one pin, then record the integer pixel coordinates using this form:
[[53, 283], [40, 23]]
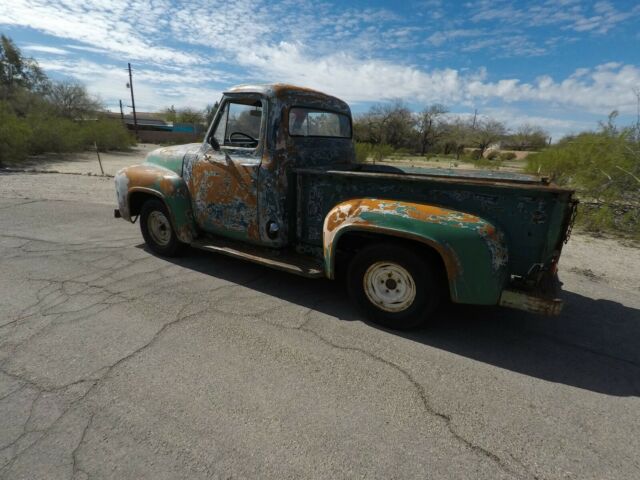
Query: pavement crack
[[422, 394], [418, 388], [74, 453]]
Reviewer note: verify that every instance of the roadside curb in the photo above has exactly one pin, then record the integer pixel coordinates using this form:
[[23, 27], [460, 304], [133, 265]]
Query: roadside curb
[[35, 170]]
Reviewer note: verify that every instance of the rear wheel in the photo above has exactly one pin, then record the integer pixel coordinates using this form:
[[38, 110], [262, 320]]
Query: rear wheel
[[157, 230], [394, 286]]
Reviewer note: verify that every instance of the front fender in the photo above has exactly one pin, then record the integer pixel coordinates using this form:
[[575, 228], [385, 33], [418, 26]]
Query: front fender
[[473, 250], [164, 184]]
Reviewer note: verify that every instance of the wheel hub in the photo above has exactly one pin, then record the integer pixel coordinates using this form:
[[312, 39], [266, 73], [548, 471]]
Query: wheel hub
[[389, 286], [159, 228]]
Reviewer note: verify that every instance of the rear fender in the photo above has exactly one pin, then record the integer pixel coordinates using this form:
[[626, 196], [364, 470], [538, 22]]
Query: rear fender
[[164, 184], [473, 250]]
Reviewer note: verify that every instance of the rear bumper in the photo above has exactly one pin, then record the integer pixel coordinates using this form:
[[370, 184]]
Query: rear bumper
[[530, 302]]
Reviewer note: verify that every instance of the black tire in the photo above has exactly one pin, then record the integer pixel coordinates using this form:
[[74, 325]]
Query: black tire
[[157, 230], [376, 262]]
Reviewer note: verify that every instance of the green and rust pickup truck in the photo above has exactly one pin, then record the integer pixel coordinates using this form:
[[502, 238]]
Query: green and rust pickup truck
[[276, 182]]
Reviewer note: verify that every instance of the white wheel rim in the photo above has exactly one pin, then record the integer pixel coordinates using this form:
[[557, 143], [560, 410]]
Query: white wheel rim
[[159, 228], [389, 286]]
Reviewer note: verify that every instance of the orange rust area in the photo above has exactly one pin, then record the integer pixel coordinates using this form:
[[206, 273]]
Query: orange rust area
[[489, 231], [167, 186], [412, 210], [225, 184], [350, 212], [146, 176], [141, 176], [253, 231]]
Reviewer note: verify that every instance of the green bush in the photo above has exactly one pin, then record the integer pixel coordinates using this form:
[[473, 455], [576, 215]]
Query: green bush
[[603, 167], [363, 150], [487, 164], [492, 155], [14, 136], [53, 134], [377, 153], [474, 154], [107, 134], [380, 152]]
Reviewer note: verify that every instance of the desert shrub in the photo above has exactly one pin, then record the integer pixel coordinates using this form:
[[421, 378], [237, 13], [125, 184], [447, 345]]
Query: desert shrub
[[377, 153], [487, 164], [380, 152], [363, 150], [507, 156], [492, 155], [107, 134], [604, 167], [14, 136], [475, 154], [53, 134]]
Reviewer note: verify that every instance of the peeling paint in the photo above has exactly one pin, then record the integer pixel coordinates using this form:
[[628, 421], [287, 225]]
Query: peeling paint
[[486, 226], [473, 251]]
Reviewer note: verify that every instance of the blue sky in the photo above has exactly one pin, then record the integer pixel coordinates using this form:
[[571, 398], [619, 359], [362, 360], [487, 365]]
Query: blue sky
[[561, 64]]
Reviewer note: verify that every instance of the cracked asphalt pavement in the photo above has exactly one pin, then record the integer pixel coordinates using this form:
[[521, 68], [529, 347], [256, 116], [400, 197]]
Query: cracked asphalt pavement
[[115, 363]]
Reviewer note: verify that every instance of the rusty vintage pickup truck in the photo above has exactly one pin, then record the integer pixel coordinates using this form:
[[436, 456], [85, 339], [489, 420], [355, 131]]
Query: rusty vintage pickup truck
[[275, 182]]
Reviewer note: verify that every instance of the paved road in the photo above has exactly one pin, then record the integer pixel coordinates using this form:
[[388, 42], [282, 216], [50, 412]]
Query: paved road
[[118, 364]]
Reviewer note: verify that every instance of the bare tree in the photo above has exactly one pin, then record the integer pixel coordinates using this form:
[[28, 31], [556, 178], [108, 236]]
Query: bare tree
[[71, 100], [456, 135], [486, 133], [170, 114], [430, 127], [391, 123], [527, 137]]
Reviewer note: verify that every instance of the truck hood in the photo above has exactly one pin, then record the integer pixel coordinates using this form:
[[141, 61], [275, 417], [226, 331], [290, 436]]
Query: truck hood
[[171, 157]]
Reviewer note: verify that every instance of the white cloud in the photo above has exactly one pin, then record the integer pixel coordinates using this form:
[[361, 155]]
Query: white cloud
[[177, 50], [597, 90], [154, 89], [114, 26], [569, 15], [45, 49]]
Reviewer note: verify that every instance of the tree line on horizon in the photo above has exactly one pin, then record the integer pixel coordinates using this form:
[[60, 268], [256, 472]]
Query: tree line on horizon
[[39, 115]]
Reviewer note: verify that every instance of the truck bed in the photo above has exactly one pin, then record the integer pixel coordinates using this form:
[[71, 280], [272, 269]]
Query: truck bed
[[532, 213]]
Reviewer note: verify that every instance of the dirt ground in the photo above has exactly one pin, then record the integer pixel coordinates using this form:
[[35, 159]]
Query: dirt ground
[[86, 163]]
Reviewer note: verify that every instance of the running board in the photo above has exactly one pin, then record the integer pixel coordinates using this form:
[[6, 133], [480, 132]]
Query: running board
[[284, 260]]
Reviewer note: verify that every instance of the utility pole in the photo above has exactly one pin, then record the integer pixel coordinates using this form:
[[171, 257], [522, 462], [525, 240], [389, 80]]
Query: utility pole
[[636, 92], [133, 102], [475, 115], [121, 112]]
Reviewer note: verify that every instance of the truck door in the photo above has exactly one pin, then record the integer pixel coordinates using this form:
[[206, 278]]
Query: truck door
[[223, 181]]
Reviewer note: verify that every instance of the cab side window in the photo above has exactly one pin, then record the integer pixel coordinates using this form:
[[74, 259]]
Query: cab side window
[[239, 124]]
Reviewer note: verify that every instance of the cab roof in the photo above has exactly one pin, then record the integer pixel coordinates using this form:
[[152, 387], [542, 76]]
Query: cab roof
[[282, 90]]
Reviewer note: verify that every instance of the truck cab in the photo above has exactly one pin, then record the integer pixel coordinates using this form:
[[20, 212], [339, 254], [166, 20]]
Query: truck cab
[[275, 181]]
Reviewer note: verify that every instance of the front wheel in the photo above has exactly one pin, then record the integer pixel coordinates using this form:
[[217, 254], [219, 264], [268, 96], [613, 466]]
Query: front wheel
[[394, 286], [157, 230]]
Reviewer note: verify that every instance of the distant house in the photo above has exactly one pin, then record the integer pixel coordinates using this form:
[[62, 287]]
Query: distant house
[[146, 121], [153, 128]]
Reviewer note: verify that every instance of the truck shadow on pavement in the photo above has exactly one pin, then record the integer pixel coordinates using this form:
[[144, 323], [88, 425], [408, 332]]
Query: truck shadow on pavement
[[593, 345]]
